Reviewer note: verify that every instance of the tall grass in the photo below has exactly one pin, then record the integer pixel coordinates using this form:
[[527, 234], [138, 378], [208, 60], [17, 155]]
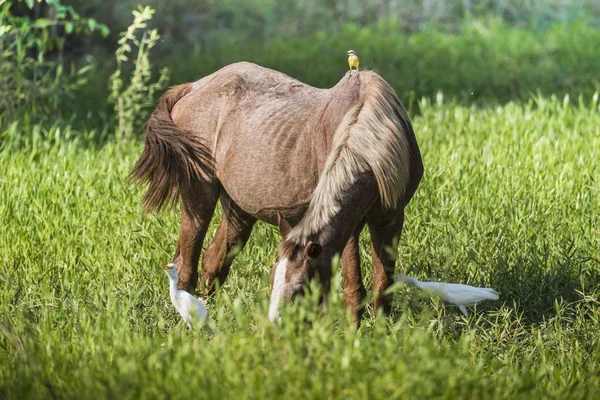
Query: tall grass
[[510, 199]]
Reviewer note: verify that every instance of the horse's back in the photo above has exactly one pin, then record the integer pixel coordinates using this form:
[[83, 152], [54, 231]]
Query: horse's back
[[245, 91], [244, 79]]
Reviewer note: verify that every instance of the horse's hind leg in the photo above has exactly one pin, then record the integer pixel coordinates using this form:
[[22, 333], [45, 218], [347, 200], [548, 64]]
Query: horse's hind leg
[[232, 235], [198, 203], [385, 230], [354, 289]]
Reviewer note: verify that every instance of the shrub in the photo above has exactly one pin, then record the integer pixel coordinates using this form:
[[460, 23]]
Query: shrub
[[131, 98], [33, 78]]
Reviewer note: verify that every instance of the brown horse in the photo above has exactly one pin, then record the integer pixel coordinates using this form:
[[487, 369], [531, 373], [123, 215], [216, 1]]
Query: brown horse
[[329, 160]]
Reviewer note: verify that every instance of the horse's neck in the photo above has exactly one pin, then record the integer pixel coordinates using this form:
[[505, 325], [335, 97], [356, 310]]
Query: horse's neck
[[352, 205], [339, 101]]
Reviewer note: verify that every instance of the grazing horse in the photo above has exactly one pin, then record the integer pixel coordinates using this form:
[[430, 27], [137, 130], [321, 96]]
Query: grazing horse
[[269, 147]]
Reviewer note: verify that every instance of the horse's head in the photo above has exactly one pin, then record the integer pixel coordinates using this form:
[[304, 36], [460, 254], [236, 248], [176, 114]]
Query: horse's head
[[297, 265]]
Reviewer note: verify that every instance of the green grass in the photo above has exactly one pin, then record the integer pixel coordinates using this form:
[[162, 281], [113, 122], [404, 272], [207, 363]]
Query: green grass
[[510, 199]]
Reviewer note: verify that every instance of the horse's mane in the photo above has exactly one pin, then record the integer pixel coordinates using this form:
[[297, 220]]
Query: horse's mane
[[371, 137]]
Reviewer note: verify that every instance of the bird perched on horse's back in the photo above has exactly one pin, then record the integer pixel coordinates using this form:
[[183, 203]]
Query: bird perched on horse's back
[[456, 293], [353, 60]]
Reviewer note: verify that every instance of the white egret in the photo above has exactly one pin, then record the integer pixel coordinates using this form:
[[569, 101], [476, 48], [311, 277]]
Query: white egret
[[191, 309], [456, 293]]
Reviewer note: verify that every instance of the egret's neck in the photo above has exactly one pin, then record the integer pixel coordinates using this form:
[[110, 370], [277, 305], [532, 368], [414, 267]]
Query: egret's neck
[[413, 281], [173, 286]]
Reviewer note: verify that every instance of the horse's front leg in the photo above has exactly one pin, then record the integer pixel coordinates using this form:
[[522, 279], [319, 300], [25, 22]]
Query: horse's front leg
[[231, 237], [385, 231], [354, 289], [197, 206]]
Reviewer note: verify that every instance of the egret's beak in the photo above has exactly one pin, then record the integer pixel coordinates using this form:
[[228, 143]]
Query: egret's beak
[[166, 267]]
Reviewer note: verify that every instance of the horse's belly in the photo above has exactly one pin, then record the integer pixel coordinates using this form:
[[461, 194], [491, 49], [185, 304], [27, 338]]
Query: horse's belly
[[263, 199], [263, 190]]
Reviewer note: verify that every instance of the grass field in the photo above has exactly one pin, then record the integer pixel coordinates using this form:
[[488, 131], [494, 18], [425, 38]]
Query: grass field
[[510, 199]]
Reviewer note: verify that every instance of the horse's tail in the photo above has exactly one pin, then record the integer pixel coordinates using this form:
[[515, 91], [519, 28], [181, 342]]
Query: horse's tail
[[172, 157]]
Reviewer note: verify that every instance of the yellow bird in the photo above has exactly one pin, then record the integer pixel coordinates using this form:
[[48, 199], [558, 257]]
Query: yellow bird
[[353, 59]]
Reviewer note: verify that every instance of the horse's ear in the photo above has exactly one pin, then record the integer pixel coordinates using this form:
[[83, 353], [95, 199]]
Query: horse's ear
[[284, 226], [313, 250]]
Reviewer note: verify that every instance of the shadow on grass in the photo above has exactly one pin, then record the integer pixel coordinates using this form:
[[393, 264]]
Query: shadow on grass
[[533, 284], [536, 281]]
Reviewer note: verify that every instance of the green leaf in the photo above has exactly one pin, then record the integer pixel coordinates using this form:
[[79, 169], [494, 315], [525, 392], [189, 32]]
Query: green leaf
[[84, 69], [68, 27], [42, 23], [91, 24], [61, 13], [104, 30], [74, 13], [5, 29]]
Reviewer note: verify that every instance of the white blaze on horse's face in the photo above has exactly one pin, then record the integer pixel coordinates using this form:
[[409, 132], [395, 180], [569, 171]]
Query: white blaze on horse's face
[[278, 289], [297, 266]]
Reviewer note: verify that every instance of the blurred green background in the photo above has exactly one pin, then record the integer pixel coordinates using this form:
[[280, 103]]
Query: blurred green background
[[465, 48], [494, 48], [474, 51]]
